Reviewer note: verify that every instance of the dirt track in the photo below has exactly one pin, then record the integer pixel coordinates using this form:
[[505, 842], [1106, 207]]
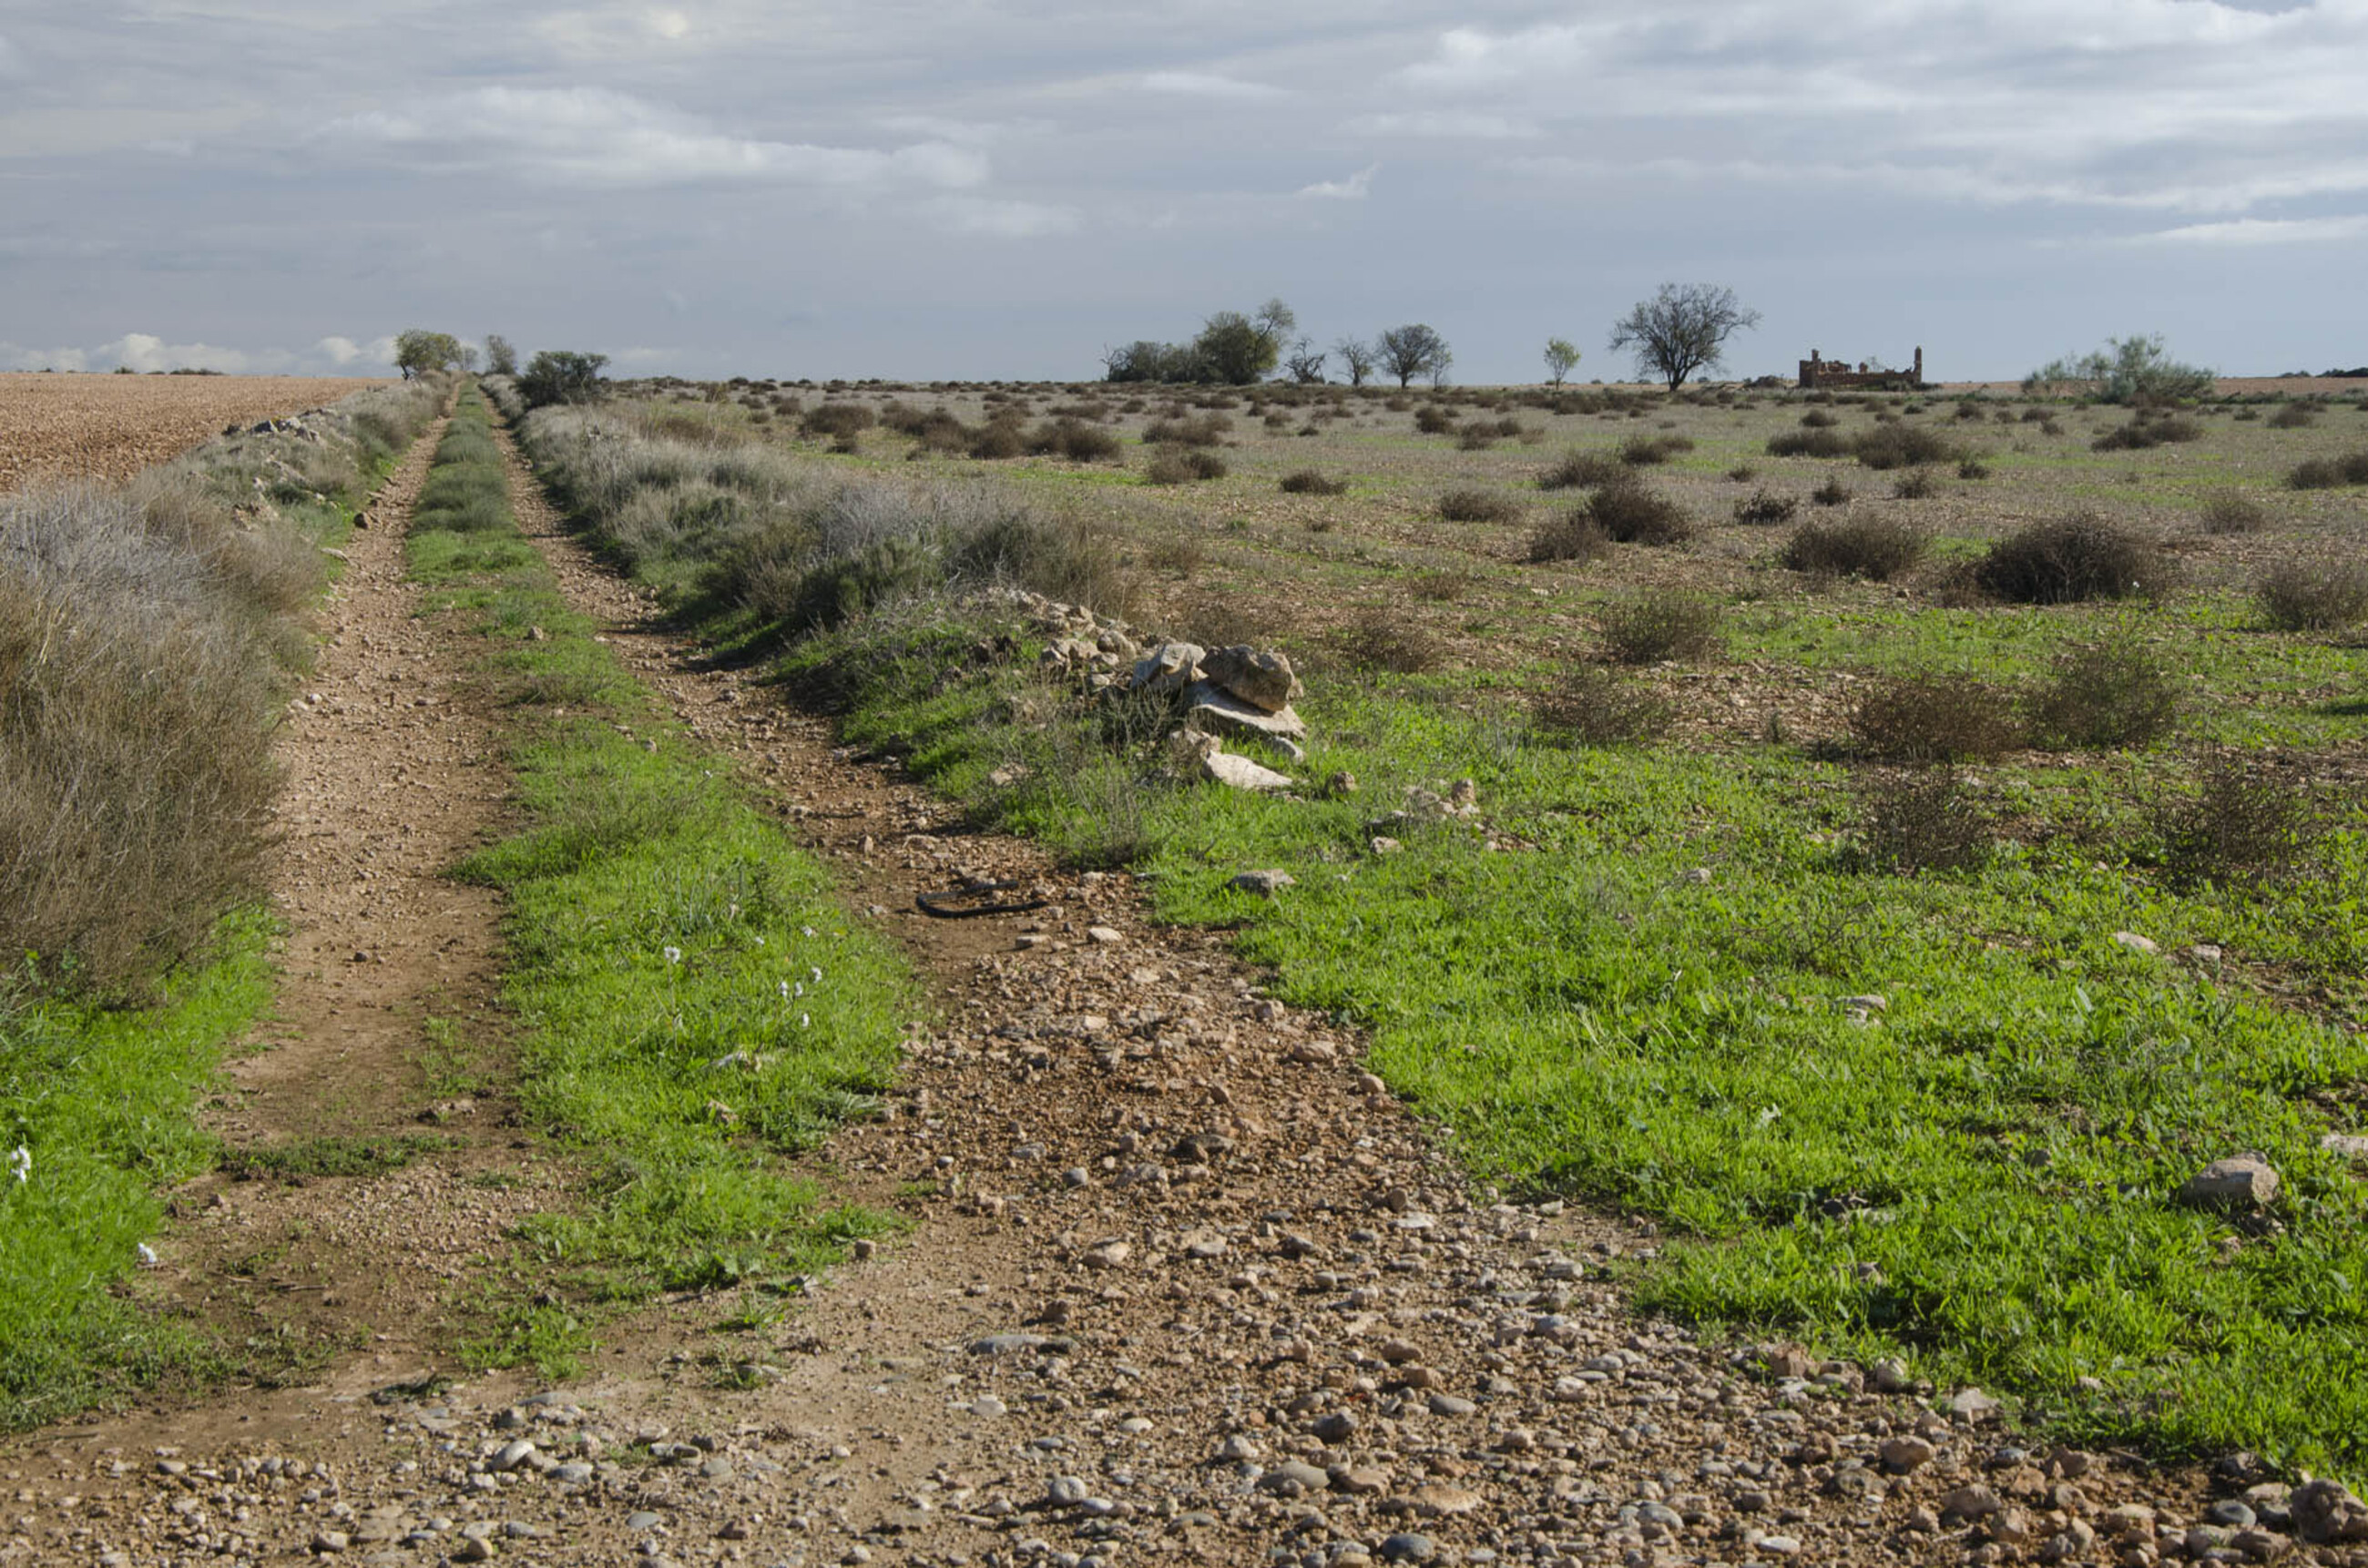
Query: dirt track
[[1185, 1284], [109, 427]]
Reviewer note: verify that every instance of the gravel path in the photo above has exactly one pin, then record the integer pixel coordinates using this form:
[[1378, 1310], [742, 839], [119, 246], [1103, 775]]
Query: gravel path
[[1184, 1284]]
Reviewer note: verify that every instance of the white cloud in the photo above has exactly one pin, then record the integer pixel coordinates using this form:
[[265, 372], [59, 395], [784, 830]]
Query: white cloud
[[2262, 231], [344, 351], [143, 351], [593, 137], [1204, 85], [1003, 219], [17, 357], [669, 24], [1354, 188]]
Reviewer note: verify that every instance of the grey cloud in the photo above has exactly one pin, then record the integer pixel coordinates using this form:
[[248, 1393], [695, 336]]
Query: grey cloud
[[596, 137]]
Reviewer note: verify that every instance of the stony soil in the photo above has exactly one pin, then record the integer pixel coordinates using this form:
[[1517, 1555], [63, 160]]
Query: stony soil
[[89, 427], [1182, 1283]]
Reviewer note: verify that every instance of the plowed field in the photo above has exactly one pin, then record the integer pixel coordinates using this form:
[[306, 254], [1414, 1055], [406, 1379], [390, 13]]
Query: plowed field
[[107, 427]]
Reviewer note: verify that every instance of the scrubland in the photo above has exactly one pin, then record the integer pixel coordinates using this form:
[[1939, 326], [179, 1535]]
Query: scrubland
[[1915, 835]]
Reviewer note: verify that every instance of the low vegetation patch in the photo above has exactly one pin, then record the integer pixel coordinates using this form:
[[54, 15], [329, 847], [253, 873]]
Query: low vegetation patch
[[1593, 706], [2327, 473], [698, 1007], [1863, 545], [2314, 596], [1660, 625], [1935, 718], [1923, 820], [1310, 482], [1184, 466], [2082, 556], [1630, 511], [1765, 508], [1572, 535], [2232, 512], [2118, 692], [1580, 470], [1478, 507]]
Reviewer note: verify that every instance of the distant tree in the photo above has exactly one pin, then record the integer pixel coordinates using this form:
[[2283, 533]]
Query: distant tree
[[560, 375], [1560, 355], [1681, 330], [2127, 369], [468, 360], [1406, 352], [1359, 358], [1145, 360], [1306, 363], [501, 359], [418, 351], [1240, 349]]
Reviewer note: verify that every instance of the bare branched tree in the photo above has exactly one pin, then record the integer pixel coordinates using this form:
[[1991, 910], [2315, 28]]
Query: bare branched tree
[[1415, 350], [1358, 355], [1681, 330], [1306, 363]]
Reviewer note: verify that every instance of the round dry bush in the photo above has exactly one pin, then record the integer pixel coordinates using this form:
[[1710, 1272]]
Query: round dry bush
[[2315, 595], [1572, 535], [1629, 511], [2082, 556], [1658, 625], [2232, 511], [1590, 705], [2116, 693], [1308, 481], [1478, 507], [1872, 546], [1579, 470], [1935, 718]]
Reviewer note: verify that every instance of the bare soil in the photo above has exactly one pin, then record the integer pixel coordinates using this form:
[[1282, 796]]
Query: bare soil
[[1182, 1282], [109, 427]]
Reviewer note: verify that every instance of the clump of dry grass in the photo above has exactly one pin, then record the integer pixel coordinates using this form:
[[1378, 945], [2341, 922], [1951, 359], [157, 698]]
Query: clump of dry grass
[[1579, 470], [1923, 821], [1590, 705], [1573, 535], [2113, 693], [1853, 546], [1478, 507], [1764, 508], [1629, 511], [1184, 466], [1378, 639], [1935, 718], [2232, 511], [2315, 595], [1660, 624], [1309, 482], [2251, 820], [2081, 556]]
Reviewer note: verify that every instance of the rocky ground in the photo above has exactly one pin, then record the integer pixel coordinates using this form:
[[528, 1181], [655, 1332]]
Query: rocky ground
[[1184, 1283]]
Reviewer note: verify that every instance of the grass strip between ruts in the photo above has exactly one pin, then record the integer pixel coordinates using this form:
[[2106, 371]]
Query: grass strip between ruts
[[695, 1006]]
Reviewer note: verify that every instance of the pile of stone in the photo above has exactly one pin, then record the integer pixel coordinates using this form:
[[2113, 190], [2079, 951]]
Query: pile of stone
[[1241, 693]]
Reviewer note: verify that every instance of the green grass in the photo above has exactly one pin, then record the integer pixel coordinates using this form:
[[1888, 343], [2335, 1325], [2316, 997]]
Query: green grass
[[104, 1101], [302, 1158], [695, 1006]]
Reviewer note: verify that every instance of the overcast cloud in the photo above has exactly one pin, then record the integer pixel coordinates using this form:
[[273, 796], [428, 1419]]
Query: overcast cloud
[[998, 189]]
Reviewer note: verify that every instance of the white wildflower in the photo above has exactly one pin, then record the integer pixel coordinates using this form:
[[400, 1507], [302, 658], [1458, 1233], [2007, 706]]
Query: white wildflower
[[817, 975], [799, 989], [807, 929], [674, 955], [20, 1164], [147, 1255], [805, 1020]]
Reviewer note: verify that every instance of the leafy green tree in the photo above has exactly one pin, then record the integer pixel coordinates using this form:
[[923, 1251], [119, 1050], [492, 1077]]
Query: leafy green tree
[[1560, 355], [560, 375], [1239, 349], [418, 352], [1406, 352], [1681, 329], [2127, 369], [501, 359]]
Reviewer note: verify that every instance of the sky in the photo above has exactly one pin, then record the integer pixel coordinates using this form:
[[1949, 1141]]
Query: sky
[[974, 189]]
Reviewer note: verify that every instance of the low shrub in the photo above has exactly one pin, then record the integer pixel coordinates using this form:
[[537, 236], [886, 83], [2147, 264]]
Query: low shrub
[[1442, 587], [1207, 430], [837, 420], [1379, 639], [1660, 624], [2318, 596], [1075, 441], [1831, 492], [1764, 508], [1860, 546], [1308, 481], [2251, 820], [1570, 535], [1064, 558], [1819, 443], [1477, 439], [1902, 445], [1819, 419], [2115, 693], [2293, 416], [1629, 511], [2143, 434], [1973, 468], [1935, 718], [1579, 470], [1590, 705], [1923, 821], [2232, 511], [2081, 556], [997, 439], [2327, 473], [1644, 451], [1434, 421], [1915, 484], [1183, 467], [1478, 507]]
